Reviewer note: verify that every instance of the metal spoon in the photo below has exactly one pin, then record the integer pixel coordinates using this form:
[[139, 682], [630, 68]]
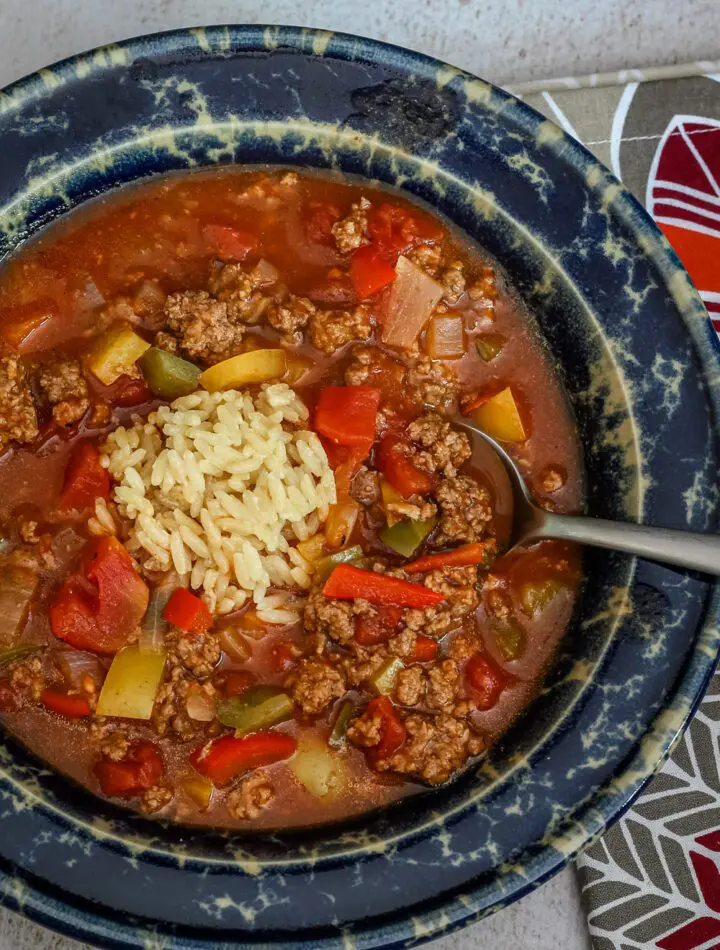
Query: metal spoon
[[530, 523]]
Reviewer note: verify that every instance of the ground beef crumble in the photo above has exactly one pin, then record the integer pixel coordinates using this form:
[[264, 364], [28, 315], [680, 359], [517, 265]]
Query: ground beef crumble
[[291, 317], [251, 797], [465, 511], [332, 618], [65, 388], [28, 677], [436, 746], [332, 329], [240, 290], [431, 383], [198, 653], [436, 446], [369, 363], [453, 282], [204, 329], [155, 799], [18, 419], [351, 232], [365, 487], [315, 684]]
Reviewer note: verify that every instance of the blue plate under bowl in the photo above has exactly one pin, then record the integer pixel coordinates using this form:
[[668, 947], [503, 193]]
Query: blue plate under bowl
[[637, 357]]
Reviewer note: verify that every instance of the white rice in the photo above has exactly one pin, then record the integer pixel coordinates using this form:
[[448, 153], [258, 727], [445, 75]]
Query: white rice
[[216, 488]]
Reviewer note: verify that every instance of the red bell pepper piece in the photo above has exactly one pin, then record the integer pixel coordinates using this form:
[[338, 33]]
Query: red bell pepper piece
[[347, 583], [85, 478], [395, 230], [228, 243], [426, 649], [237, 681], [99, 609], [228, 756], [346, 415], [371, 629], [393, 729], [349, 457], [486, 680], [74, 707], [320, 221], [464, 556], [370, 271], [187, 612], [140, 770], [394, 464]]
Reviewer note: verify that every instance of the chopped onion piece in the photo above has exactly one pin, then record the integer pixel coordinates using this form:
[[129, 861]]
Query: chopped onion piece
[[412, 299], [446, 337], [200, 706], [153, 627], [234, 644], [17, 587], [77, 664]]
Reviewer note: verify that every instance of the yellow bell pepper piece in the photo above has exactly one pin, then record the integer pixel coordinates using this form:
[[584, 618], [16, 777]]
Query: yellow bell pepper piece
[[500, 418], [131, 684], [258, 366], [199, 789], [116, 352]]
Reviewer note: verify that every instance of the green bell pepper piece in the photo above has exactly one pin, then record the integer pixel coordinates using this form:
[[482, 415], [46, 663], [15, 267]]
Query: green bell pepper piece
[[325, 566], [337, 736], [383, 679], [510, 638], [167, 375], [405, 537], [257, 708], [488, 346]]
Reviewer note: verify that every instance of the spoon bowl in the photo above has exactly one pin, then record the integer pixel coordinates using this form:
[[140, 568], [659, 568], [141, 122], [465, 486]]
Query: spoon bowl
[[529, 523]]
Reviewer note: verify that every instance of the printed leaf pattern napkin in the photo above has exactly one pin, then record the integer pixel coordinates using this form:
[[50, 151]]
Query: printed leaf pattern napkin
[[654, 879]]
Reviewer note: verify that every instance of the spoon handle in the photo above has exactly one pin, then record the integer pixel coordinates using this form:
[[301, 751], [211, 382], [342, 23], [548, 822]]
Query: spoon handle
[[681, 548]]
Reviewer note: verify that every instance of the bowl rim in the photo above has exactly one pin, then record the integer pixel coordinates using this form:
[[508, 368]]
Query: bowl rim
[[610, 801]]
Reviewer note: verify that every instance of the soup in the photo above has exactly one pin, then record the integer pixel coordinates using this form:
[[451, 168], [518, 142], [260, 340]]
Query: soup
[[251, 564]]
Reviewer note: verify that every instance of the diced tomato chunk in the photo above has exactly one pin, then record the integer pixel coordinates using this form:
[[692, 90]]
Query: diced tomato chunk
[[379, 627], [187, 612], [85, 478], [74, 707], [139, 771], [228, 243], [224, 758], [395, 230], [486, 680], [346, 415], [393, 728], [99, 608], [370, 271], [426, 649], [403, 475]]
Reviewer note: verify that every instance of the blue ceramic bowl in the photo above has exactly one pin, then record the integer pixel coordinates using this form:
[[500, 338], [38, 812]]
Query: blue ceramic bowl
[[636, 353]]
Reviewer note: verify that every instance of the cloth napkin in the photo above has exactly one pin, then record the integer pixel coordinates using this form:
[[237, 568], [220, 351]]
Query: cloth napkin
[[653, 880]]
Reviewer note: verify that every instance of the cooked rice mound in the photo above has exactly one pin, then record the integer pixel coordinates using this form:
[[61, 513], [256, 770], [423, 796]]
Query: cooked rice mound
[[218, 486]]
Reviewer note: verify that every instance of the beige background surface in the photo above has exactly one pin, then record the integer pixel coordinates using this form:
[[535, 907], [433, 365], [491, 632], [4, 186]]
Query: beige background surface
[[503, 40]]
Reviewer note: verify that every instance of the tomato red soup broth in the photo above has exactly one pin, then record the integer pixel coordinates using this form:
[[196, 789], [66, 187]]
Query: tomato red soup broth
[[350, 652]]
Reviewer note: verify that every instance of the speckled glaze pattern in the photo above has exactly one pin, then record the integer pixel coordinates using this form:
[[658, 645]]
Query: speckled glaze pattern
[[633, 346]]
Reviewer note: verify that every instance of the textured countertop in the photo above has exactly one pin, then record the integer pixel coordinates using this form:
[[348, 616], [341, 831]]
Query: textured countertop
[[503, 40]]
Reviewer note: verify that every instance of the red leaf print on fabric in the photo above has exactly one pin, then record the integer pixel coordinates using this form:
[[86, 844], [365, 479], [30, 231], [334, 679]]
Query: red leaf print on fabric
[[708, 879], [692, 935], [711, 841]]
